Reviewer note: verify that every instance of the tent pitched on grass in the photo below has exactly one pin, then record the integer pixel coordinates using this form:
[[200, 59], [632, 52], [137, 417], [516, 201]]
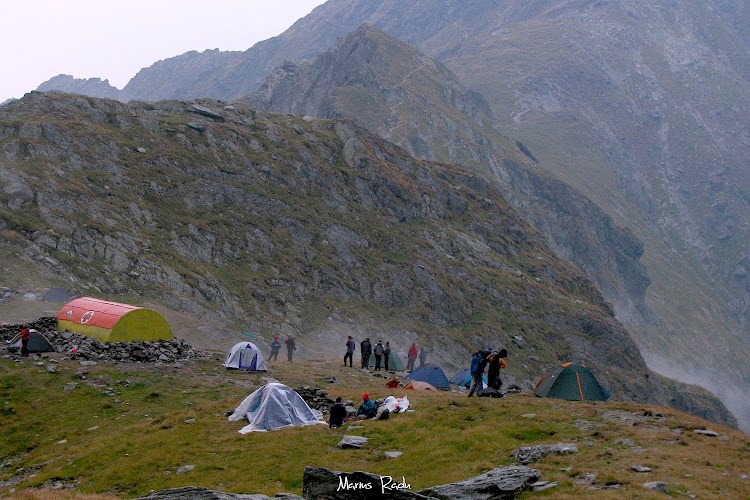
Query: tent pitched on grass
[[37, 342], [394, 362], [432, 374], [463, 378], [572, 382], [274, 406], [112, 321], [417, 385], [246, 356]]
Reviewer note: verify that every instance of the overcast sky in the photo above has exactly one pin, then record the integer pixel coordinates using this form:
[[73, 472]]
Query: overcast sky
[[114, 39]]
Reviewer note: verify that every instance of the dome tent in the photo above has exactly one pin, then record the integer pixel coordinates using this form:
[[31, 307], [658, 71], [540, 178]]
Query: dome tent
[[274, 406], [432, 374], [572, 382], [37, 342], [394, 362], [112, 321], [463, 378], [246, 356]]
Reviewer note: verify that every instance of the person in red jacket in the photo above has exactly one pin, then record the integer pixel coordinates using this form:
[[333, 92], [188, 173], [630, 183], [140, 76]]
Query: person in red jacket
[[411, 357], [24, 341]]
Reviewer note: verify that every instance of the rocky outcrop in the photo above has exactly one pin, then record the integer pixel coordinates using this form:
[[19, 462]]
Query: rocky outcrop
[[408, 98]]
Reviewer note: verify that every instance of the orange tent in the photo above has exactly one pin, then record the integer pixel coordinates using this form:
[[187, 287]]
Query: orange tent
[[417, 385], [112, 321]]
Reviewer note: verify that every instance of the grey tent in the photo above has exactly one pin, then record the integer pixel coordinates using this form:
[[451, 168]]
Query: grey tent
[[274, 406], [37, 342]]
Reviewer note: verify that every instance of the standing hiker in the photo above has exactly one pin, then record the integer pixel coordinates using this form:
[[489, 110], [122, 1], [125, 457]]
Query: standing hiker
[[478, 364], [291, 346], [350, 346], [275, 348], [365, 349], [494, 364], [378, 351], [387, 354], [423, 356], [24, 340], [411, 357]]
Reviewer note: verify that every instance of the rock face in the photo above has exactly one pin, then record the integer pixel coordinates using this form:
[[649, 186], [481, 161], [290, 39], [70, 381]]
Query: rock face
[[288, 224], [408, 98]]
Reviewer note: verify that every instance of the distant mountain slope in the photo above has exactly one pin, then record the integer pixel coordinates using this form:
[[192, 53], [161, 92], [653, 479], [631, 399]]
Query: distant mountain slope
[[642, 105], [284, 224], [411, 100]]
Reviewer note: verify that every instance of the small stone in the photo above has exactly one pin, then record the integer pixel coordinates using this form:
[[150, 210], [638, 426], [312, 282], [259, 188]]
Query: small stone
[[657, 486], [706, 432], [543, 485], [87, 363], [352, 442], [51, 369], [69, 387], [529, 415], [190, 421], [640, 468], [141, 150], [625, 442], [185, 468], [393, 454]]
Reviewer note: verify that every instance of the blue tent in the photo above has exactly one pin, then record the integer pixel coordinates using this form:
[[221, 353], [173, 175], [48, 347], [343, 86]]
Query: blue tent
[[432, 374], [464, 378]]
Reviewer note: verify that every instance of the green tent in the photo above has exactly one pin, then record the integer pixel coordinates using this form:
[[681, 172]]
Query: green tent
[[37, 342], [573, 382], [394, 362]]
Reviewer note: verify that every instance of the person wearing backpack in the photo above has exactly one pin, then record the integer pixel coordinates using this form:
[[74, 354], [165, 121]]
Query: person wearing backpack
[[365, 348], [378, 351], [350, 346], [478, 364], [291, 346]]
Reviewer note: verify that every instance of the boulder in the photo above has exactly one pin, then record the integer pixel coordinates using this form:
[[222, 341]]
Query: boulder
[[318, 482], [529, 454], [199, 493], [503, 482], [352, 442]]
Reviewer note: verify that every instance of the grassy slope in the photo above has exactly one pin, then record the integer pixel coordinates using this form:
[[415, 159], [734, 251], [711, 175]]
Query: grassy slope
[[134, 439]]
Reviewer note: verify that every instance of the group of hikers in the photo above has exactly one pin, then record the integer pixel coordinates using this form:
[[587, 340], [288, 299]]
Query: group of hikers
[[382, 354], [291, 346], [484, 359], [493, 361]]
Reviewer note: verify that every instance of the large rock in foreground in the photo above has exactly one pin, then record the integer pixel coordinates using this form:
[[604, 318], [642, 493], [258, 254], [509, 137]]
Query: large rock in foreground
[[318, 482], [503, 482]]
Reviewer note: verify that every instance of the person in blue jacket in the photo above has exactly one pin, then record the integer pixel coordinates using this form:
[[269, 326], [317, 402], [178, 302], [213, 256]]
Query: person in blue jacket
[[368, 408]]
